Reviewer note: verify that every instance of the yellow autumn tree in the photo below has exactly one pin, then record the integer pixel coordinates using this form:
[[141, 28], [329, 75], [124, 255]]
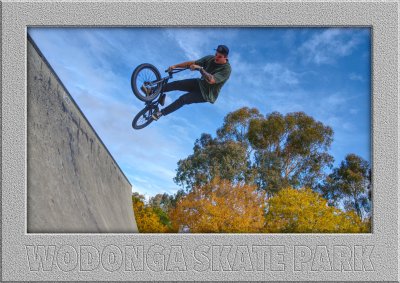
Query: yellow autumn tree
[[220, 207], [305, 211], [147, 219]]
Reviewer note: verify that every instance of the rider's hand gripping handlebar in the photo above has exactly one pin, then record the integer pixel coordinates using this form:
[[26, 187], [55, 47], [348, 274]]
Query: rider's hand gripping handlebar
[[173, 71]]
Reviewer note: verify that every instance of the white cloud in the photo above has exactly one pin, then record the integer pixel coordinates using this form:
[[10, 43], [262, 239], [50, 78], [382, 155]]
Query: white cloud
[[198, 42], [327, 46], [335, 100], [262, 76], [280, 74], [192, 42], [348, 126], [354, 111], [356, 77]]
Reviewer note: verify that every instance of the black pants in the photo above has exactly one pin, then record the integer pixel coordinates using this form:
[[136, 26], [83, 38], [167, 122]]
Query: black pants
[[193, 96]]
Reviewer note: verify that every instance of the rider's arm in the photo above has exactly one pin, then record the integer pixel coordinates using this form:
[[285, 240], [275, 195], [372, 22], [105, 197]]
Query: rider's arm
[[183, 65], [207, 76]]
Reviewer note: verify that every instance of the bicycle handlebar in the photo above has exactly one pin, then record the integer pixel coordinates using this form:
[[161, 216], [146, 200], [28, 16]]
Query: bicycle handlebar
[[176, 70]]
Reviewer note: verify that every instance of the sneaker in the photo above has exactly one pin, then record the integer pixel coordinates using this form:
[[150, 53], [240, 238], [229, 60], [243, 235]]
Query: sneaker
[[147, 90], [156, 115]]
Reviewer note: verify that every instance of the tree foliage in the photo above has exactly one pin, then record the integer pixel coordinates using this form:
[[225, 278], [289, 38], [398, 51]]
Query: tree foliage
[[162, 204], [220, 207], [148, 220], [213, 158], [305, 211], [163, 201], [271, 152], [236, 124], [290, 150], [350, 184]]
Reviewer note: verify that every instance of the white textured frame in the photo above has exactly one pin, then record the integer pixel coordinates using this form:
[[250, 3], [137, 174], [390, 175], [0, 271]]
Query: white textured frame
[[289, 257]]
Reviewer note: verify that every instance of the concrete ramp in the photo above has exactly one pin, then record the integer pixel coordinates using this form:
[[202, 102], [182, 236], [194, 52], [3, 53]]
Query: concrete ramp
[[74, 184]]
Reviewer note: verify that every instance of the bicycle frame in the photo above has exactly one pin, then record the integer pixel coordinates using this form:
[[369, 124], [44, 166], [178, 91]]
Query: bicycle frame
[[163, 82]]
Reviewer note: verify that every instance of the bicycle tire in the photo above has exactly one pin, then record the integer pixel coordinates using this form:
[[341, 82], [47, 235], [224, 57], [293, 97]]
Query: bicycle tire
[[146, 114], [136, 88]]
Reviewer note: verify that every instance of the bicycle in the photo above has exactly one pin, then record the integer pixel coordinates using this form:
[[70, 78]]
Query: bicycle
[[147, 85]]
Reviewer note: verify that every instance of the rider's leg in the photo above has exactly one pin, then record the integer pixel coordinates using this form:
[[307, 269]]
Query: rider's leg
[[188, 98], [188, 85], [193, 96]]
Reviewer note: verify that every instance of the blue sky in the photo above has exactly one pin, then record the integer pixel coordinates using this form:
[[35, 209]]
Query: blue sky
[[324, 72]]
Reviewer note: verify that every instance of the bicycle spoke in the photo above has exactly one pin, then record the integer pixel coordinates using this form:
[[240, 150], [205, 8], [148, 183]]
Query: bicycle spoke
[[142, 120], [145, 117], [146, 77]]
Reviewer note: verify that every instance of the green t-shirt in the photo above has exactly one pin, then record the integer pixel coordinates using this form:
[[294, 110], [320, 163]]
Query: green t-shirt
[[221, 73]]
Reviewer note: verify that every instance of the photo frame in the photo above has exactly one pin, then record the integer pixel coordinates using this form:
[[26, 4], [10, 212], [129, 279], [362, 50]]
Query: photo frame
[[208, 257]]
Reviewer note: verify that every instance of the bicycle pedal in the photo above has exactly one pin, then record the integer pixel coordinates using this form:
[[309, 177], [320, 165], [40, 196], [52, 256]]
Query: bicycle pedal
[[162, 99]]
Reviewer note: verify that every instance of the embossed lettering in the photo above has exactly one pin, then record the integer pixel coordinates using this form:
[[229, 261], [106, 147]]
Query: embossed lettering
[[202, 260], [176, 259], [302, 255], [134, 258], [242, 259], [321, 259], [89, 258], [67, 258], [362, 258], [220, 258], [155, 258], [341, 258], [111, 258], [277, 258], [261, 254], [40, 257]]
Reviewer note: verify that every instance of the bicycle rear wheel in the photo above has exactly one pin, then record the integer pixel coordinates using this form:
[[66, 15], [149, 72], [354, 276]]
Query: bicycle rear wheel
[[147, 76], [143, 118]]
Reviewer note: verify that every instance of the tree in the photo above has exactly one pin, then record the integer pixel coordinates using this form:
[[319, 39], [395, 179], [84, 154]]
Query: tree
[[304, 211], [163, 218], [162, 201], [236, 128], [162, 204], [350, 185], [220, 207], [236, 124], [212, 158], [147, 220], [290, 150], [272, 152]]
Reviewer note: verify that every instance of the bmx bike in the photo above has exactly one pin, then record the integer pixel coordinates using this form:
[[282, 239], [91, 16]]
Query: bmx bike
[[147, 85]]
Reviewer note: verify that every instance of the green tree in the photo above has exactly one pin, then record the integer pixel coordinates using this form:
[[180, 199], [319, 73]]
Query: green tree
[[236, 125], [212, 158], [236, 128], [162, 204], [148, 218], [176, 197], [162, 201], [350, 185], [290, 150], [272, 152]]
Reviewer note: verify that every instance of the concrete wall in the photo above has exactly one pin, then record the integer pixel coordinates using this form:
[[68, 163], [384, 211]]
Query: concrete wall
[[74, 184]]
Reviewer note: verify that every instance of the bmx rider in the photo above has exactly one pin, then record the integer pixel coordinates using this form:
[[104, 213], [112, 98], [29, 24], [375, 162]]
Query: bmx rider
[[215, 71]]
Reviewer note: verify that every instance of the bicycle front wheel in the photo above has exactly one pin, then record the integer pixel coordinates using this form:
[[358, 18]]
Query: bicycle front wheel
[[143, 118], [146, 82]]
